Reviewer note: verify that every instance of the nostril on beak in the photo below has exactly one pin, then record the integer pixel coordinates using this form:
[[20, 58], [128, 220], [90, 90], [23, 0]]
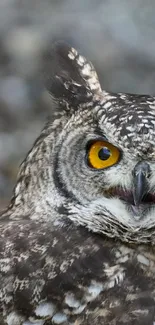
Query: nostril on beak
[[142, 167], [141, 174]]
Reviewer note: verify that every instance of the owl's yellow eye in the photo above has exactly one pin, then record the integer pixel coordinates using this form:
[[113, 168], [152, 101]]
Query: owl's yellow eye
[[103, 154]]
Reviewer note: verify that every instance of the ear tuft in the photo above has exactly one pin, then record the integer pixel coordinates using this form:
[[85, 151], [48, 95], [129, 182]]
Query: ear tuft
[[69, 77]]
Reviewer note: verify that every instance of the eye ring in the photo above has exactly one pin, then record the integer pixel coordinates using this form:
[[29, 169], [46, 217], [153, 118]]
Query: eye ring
[[102, 154]]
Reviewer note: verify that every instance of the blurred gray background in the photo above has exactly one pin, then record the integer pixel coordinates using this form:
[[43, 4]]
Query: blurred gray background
[[118, 36]]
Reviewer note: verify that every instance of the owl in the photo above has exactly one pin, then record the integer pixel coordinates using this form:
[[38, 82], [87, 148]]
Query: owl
[[77, 239]]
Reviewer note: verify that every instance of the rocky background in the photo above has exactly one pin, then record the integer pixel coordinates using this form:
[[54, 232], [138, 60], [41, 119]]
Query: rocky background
[[117, 35]]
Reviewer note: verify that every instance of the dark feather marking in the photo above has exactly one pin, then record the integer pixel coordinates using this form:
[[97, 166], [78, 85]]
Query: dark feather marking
[[58, 182]]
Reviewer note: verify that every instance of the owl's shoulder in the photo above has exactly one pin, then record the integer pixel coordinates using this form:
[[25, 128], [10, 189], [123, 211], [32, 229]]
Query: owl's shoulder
[[76, 270]]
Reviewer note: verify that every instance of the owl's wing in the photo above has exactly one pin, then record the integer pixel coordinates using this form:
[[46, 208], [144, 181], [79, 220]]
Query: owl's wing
[[63, 274]]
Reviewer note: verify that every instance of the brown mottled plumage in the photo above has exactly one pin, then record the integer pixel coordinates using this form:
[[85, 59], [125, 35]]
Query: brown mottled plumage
[[77, 244]]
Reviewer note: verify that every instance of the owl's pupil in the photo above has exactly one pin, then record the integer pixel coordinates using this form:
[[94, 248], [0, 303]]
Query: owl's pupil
[[104, 153]]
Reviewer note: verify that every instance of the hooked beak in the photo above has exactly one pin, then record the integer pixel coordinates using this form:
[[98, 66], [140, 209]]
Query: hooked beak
[[141, 174]]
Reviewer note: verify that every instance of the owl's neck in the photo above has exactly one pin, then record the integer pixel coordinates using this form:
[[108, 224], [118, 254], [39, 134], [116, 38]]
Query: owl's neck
[[99, 219]]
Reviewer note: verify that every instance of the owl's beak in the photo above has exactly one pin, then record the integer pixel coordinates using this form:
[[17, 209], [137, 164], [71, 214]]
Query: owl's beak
[[141, 173]]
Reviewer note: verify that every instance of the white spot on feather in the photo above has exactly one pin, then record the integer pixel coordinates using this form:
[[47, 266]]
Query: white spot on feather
[[74, 51], [93, 291], [65, 264], [95, 288], [123, 259], [142, 259], [45, 309], [107, 105], [79, 310], [14, 319], [86, 70], [59, 318], [71, 56], [71, 301], [81, 60], [5, 265]]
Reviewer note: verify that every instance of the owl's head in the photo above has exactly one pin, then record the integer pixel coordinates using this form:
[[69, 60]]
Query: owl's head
[[95, 159]]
